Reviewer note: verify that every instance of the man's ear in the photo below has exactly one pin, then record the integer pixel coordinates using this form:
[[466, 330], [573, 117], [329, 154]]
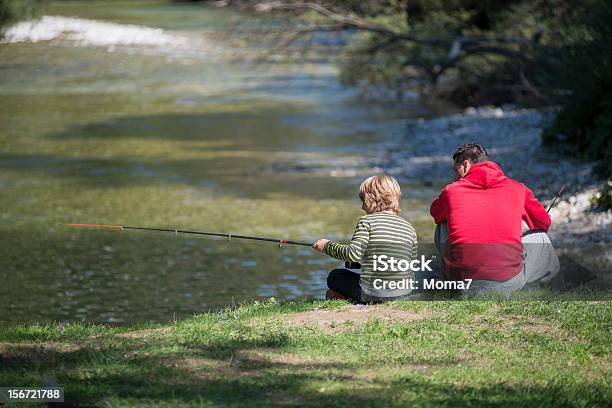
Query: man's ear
[[466, 165]]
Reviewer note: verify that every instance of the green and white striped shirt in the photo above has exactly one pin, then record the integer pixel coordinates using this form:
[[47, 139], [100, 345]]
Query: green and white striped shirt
[[378, 234]]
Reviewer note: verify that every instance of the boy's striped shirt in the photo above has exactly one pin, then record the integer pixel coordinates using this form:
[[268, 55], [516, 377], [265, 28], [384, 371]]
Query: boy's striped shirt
[[378, 234]]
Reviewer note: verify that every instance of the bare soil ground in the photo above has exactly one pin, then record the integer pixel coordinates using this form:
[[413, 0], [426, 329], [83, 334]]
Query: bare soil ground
[[351, 316]]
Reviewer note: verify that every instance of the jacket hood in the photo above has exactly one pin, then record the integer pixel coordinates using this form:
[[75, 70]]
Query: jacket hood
[[485, 174]]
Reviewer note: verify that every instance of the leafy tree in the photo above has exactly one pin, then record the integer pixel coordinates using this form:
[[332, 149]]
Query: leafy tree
[[12, 11], [468, 51], [580, 66]]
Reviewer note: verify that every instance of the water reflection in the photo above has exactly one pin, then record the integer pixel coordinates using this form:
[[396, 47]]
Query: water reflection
[[119, 278]]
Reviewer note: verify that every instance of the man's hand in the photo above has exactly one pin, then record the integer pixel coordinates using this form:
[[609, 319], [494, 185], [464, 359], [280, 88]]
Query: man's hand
[[320, 245]]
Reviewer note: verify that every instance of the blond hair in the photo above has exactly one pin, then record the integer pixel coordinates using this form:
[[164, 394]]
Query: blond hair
[[380, 193]]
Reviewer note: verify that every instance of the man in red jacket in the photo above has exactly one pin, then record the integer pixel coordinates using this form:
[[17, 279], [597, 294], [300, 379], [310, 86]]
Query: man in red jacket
[[479, 227]]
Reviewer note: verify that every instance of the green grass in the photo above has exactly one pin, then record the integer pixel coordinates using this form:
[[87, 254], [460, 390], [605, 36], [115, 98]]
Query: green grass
[[324, 353]]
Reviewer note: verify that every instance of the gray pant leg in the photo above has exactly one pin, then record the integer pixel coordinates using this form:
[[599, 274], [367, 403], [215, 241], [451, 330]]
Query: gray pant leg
[[540, 265], [541, 261], [505, 288], [480, 286]]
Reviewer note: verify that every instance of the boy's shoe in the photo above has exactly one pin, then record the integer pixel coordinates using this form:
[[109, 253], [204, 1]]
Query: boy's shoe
[[331, 295]]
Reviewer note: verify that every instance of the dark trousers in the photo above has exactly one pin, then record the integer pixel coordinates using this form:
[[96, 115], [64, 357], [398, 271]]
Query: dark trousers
[[346, 283]]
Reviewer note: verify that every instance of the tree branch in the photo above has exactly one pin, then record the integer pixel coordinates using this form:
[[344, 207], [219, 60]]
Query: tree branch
[[460, 47], [353, 22]]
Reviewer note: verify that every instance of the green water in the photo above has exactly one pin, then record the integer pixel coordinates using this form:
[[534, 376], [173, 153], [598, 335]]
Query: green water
[[173, 138]]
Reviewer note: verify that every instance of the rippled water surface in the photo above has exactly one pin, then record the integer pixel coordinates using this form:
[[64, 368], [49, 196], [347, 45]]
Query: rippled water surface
[[173, 136]]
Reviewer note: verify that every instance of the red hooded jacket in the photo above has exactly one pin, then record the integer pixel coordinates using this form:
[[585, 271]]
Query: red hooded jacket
[[483, 212]]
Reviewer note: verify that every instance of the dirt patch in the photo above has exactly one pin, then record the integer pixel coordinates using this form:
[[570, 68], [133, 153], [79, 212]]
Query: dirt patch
[[271, 357], [146, 333], [249, 363], [349, 317], [202, 367], [255, 362], [37, 348], [34, 354], [528, 325]]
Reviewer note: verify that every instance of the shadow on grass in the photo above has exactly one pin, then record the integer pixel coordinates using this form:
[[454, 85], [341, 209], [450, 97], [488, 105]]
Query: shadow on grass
[[202, 377], [422, 391], [221, 374]]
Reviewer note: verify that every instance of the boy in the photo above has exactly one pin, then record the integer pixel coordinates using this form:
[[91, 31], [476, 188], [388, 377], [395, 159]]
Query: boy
[[381, 232]]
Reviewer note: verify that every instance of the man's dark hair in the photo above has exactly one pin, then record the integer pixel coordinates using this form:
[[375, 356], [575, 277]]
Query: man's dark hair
[[472, 152]]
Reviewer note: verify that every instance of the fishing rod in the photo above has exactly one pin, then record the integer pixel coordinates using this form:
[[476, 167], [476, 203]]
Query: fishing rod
[[552, 204], [119, 228]]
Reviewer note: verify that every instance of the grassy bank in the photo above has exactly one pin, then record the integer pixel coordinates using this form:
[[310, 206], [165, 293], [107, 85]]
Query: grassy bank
[[323, 353]]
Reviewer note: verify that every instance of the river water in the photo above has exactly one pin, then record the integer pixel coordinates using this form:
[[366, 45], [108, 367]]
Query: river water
[[174, 132]]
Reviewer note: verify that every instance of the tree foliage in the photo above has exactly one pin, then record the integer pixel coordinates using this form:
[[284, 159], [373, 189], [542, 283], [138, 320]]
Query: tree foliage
[[581, 65], [12, 11], [468, 51]]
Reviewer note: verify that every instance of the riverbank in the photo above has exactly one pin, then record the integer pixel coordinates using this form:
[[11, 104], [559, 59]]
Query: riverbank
[[320, 353]]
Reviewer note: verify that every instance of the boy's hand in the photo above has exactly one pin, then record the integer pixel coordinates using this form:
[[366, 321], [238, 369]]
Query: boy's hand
[[320, 245]]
